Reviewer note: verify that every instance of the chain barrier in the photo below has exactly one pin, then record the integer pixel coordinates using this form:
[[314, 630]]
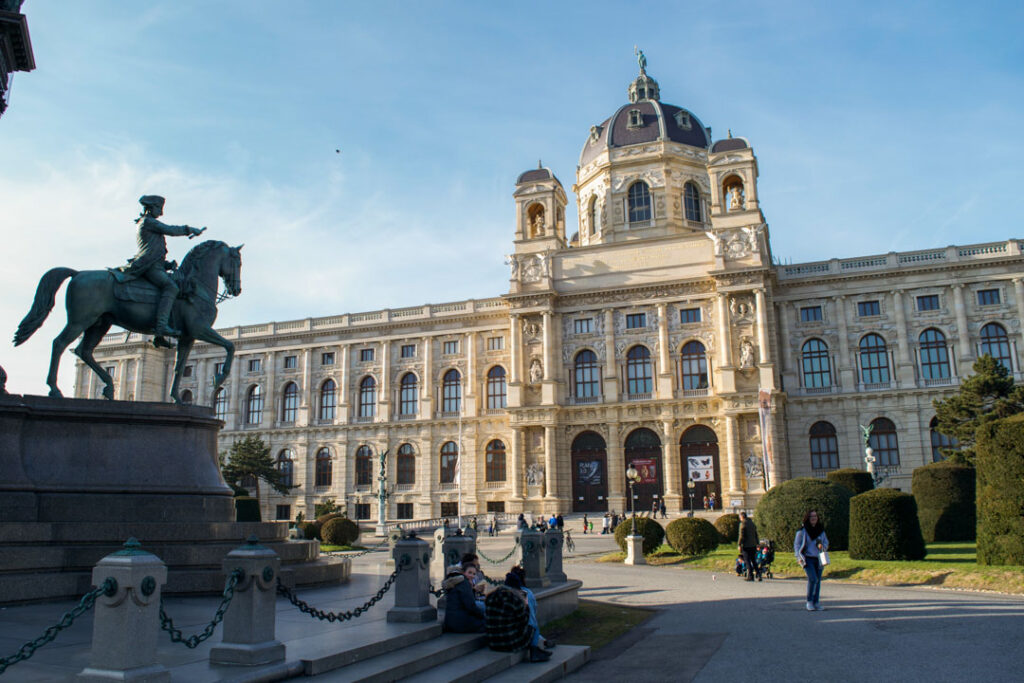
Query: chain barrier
[[502, 560], [332, 617], [109, 587], [437, 593], [361, 552], [167, 624], [492, 581]]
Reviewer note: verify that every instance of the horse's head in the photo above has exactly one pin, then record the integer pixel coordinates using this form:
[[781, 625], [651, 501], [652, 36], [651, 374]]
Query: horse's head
[[231, 270], [210, 260]]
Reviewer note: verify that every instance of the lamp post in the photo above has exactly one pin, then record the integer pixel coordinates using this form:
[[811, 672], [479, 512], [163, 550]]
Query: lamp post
[[634, 543], [691, 486], [382, 496], [632, 476]]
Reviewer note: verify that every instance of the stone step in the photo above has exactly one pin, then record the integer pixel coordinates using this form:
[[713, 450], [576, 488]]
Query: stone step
[[360, 643], [564, 660], [411, 660], [471, 668]]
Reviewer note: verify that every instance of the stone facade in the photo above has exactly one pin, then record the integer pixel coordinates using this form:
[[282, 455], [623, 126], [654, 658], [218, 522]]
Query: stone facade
[[644, 338]]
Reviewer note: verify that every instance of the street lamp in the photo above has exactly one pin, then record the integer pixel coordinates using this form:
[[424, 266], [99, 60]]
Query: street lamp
[[632, 476], [691, 486]]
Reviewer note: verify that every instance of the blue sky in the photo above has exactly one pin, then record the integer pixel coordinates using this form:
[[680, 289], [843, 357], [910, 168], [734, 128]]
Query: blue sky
[[877, 126]]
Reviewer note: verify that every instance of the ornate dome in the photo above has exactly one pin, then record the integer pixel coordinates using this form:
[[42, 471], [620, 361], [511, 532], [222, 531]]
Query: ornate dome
[[645, 119], [536, 174]]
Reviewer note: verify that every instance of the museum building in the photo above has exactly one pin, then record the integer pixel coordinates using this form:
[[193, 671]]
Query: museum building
[[645, 337]]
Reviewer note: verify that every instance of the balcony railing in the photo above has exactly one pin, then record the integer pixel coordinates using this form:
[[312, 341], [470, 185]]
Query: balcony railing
[[875, 386], [494, 411], [448, 413], [818, 390], [939, 382], [695, 393], [585, 400], [363, 418], [645, 396]]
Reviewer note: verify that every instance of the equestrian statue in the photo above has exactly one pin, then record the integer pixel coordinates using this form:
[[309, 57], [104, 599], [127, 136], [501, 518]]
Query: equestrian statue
[[148, 295]]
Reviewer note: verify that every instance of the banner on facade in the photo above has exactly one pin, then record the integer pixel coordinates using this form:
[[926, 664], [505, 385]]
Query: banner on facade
[[588, 472], [648, 469], [701, 467], [764, 405]]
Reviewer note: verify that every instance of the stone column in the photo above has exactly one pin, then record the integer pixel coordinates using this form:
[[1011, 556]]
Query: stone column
[[412, 584], [514, 351], [724, 338], [250, 622], [905, 364], [235, 411], [550, 471], [127, 619], [847, 371], [732, 452], [427, 381], [1018, 291], [672, 463], [611, 371], [516, 463], [547, 345], [203, 382], [270, 393], [471, 392], [343, 383], [962, 330], [616, 471], [784, 350], [763, 347], [384, 402], [664, 387]]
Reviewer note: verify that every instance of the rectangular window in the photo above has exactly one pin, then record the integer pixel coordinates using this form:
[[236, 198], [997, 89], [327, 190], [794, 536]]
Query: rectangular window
[[988, 297], [284, 512], [495, 506], [868, 308], [408, 351], [583, 325], [110, 370], [449, 509], [327, 358], [290, 362], [451, 347], [187, 372], [636, 320], [365, 355], [218, 368], [495, 343], [362, 510], [689, 315], [928, 303], [255, 364], [809, 314], [403, 511]]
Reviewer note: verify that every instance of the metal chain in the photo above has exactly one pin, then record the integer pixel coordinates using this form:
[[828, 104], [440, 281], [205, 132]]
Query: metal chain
[[368, 550], [510, 552], [436, 593], [193, 641], [109, 587], [332, 617]]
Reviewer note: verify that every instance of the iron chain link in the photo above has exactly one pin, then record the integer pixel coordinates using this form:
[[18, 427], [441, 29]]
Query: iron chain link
[[332, 617], [436, 593], [84, 605], [502, 560], [368, 550], [193, 641]]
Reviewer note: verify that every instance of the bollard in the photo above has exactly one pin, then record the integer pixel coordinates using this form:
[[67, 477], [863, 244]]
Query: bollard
[[448, 550], [554, 542], [412, 585], [531, 547], [127, 621], [249, 623]]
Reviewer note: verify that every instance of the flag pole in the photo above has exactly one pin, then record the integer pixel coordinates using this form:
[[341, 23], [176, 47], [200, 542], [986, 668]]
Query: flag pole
[[458, 461]]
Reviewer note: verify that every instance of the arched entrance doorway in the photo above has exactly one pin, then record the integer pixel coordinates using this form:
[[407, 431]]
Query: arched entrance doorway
[[643, 451], [589, 473], [698, 450]]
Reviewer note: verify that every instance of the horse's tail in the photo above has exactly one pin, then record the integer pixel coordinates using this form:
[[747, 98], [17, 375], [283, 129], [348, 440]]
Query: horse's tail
[[46, 292]]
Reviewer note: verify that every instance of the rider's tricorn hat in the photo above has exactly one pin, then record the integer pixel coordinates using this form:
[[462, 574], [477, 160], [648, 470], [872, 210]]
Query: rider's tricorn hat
[[152, 200]]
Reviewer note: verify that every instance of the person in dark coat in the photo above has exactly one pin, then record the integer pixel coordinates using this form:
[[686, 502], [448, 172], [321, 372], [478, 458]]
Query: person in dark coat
[[748, 545], [462, 613]]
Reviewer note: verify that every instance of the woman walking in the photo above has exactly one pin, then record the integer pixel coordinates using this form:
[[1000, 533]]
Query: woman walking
[[808, 545]]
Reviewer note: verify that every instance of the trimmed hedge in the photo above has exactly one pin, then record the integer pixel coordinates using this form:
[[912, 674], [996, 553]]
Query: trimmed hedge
[[858, 481], [339, 531], [728, 527], [310, 530], [944, 492], [692, 535], [999, 458], [247, 509], [651, 531], [884, 526], [780, 512]]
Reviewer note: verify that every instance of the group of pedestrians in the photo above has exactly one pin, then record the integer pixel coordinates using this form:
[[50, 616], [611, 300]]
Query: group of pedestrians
[[556, 521], [710, 501], [659, 506]]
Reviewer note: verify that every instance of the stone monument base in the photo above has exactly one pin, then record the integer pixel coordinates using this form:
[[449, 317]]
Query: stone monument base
[[79, 477]]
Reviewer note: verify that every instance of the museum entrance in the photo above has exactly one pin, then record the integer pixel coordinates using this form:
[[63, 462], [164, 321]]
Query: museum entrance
[[643, 451], [589, 473], [698, 451]]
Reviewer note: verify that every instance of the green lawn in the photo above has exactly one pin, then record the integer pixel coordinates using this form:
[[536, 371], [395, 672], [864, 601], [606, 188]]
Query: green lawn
[[595, 624], [951, 565], [339, 548]]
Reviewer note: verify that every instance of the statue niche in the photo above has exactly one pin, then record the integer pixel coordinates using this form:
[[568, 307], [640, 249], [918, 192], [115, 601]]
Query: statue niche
[[535, 220], [735, 196]]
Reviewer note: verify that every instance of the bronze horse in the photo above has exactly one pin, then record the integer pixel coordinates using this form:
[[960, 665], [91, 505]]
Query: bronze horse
[[93, 305]]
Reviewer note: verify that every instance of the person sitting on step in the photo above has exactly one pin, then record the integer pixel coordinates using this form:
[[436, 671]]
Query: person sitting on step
[[462, 613]]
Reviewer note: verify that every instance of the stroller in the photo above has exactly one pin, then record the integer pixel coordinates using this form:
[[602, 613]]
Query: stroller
[[764, 559]]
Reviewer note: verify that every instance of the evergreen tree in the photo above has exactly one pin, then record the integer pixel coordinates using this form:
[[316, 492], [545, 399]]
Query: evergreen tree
[[251, 457], [989, 394]]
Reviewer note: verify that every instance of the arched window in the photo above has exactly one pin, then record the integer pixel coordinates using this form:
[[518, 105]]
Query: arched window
[[406, 465], [591, 228], [639, 197], [328, 399], [408, 399], [254, 405], [496, 388], [874, 360], [940, 441], [286, 466], [364, 466], [691, 201], [496, 461], [884, 443], [290, 402], [324, 467], [368, 397], [220, 404], [186, 397], [934, 355], [694, 366], [639, 373], [816, 365], [451, 392], [824, 447], [586, 376], [995, 343], [449, 462]]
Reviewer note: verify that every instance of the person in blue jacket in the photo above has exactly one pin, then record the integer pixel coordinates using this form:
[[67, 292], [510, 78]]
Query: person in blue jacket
[[808, 545]]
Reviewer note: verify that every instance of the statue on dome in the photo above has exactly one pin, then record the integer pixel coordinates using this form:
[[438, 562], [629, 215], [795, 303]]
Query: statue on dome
[[640, 59]]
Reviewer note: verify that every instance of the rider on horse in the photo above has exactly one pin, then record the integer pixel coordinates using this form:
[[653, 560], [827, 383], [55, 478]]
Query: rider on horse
[[149, 262]]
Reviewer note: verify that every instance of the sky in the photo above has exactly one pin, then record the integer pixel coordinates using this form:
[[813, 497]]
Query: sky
[[878, 127]]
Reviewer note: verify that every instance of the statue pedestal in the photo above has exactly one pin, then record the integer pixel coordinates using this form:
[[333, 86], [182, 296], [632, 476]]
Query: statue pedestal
[[78, 477], [635, 550]]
